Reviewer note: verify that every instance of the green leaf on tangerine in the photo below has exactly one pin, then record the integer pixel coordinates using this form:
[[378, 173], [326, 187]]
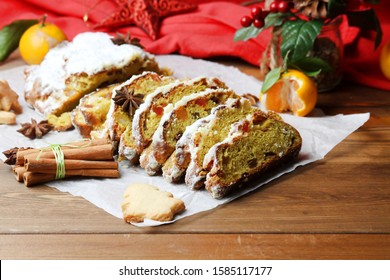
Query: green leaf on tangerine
[[271, 78], [298, 37]]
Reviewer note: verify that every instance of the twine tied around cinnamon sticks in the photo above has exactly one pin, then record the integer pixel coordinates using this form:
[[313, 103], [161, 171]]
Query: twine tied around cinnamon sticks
[[89, 158], [60, 160], [59, 156]]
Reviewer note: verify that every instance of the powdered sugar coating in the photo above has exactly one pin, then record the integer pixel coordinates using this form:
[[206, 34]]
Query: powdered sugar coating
[[88, 53], [149, 163], [124, 151], [174, 174]]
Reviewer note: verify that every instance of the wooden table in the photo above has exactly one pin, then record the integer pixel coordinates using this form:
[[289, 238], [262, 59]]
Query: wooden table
[[335, 208]]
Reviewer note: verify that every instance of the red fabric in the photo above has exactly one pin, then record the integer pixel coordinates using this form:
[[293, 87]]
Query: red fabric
[[207, 32], [362, 61]]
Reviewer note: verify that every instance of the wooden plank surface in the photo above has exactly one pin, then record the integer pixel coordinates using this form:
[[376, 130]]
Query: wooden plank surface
[[335, 208], [202, 246]]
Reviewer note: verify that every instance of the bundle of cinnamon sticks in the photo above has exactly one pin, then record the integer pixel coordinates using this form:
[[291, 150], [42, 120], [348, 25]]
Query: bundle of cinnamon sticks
[[89, 158]]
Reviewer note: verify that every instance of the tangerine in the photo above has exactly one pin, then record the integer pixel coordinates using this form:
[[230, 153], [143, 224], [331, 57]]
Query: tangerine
[[294, 92], [37, 40]]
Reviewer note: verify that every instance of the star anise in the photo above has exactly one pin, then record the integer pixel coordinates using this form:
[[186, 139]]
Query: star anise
[[120, 40], [34, 129], [11, 156], [129, 101]]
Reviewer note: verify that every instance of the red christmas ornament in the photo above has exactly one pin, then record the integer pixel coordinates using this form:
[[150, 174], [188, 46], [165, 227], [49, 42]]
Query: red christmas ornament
[[146, 14]]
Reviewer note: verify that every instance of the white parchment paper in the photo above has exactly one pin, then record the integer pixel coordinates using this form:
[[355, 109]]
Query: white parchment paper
[[319, 134]]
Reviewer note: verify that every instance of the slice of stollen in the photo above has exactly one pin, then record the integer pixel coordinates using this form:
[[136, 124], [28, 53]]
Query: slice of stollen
[[254, 146]]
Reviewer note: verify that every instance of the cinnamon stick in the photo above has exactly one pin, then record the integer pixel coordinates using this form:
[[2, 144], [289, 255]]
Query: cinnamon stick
[[31, 178], [21, 153], [105, 173], [81, 144], [100, 152], [46, 165], [18, 172]]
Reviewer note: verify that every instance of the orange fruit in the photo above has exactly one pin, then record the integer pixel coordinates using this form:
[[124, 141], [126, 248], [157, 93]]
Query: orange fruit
[[37, 40], [384, 60], [294, 92]]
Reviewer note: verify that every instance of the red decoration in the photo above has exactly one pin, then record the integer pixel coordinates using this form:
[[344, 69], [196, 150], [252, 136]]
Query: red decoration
[[146, 14]]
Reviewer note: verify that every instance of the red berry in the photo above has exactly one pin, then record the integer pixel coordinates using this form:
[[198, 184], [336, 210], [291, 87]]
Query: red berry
[[246, 21], [258, 23], [283, 7], [273, 7], [257, 12]]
